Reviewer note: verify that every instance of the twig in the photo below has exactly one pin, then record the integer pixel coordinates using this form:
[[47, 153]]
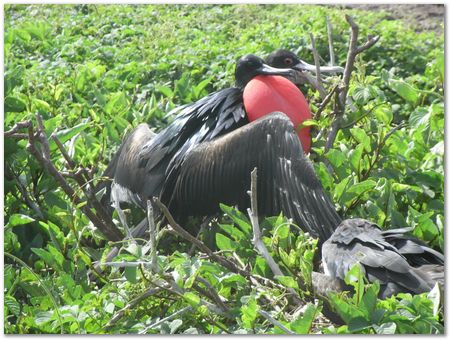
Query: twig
[[330, 41], [43, 157], [131, 305], [325, 102], [18, 126], [320, 87], [24, 193], [257, 238], [213, 294], [341, 94], [170, 317], [83, 178], [274, 322], [152, 231], [199, 244]]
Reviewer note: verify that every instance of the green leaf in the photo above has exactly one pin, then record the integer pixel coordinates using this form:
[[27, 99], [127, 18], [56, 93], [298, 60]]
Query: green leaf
[[385, 328], [420, 117], [43, 317], [224, 243], [131, 274], [192, 298], [440, 63], [174, 325], [67, 134], [18, 219], [355, 278], [435, 296], [303, 324], [41, 105], [287, 281], [384, 114], [369, 299], [12, 304], [238, 217], [354, 156], [45, 255], [336, 158], [166, 91], [249, 312], [404, 90], [308, 122], [361, 137], [117, 104], [14, 104], [358, 324], [361, 187]]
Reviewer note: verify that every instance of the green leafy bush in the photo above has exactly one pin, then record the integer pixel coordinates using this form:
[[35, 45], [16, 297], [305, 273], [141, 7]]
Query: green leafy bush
[[94, 72]]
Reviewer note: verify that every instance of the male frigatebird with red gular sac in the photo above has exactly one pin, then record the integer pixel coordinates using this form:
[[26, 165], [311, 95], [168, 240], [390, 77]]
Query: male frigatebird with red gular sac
[[401, 263], [205, 156]]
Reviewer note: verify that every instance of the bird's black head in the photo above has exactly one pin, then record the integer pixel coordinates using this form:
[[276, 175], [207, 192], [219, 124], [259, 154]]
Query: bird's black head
[[287, 59], [283, 59], [250, 66]]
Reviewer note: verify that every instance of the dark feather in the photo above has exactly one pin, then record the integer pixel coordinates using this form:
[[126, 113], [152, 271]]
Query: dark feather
[[142, 163], [219, 172], [394, 259]]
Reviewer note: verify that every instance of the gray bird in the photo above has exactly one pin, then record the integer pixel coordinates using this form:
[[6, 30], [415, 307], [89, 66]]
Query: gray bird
[[400, 263]]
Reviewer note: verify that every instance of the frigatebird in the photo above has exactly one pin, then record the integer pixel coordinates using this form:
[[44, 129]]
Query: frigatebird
[[401, 263], [205, 156]]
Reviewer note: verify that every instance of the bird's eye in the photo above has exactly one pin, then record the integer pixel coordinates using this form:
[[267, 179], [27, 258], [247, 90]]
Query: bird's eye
[[288, 61]]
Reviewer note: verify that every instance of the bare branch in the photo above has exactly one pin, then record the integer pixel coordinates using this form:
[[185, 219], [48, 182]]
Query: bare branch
[[325, 102], [320, 87], [330, 41], [274, 322], [149, 292], [257, 238], [18, 126], [43, 157], [170, 317], [152, 231], [341, 93], [199, 244]]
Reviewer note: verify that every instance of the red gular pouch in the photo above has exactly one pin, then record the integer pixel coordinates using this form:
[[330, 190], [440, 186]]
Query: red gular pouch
[[266, 93]]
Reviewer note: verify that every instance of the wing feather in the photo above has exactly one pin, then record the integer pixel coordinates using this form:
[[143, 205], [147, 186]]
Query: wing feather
[[221, 170]]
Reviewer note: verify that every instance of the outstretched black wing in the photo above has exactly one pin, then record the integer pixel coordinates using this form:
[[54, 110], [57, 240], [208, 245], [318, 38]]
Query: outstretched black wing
[[219, 172], [143, 160], [357, 240]]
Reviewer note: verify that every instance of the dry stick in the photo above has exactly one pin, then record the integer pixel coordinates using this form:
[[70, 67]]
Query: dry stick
[[82, 178], [330, 41], [353, 51], [213, 294], [152, 231], [257, 238], [25, 194], [275, 322], [199, 244], [170, 317], [43, 157], [325, 102], [320, 87], [16, 128], [149, 292]]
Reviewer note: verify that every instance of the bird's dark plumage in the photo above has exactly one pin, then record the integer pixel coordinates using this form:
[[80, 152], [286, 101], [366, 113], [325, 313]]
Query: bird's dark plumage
[[206, 119], [218, 171], [401, 263], [205, 156]]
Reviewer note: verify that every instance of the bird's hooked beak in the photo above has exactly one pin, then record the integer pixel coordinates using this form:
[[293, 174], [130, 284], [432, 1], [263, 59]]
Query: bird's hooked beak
[[269, 70], [304, 66], [303, 74]]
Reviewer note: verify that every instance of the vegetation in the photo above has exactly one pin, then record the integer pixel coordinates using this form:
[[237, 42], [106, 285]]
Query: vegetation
[[95, 72]]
